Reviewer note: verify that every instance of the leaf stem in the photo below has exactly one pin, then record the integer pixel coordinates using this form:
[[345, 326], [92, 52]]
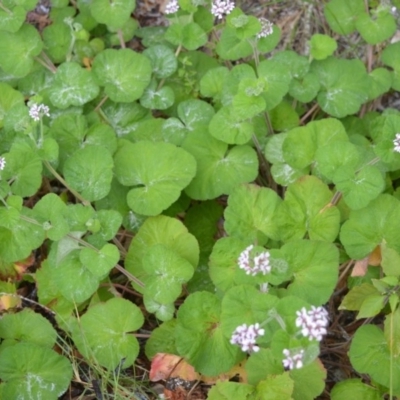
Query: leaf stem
[[61, 180], [121, 39]]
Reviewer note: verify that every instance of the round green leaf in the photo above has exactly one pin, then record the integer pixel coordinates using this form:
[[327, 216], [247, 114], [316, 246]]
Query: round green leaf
[[89, 171], [230, 390], [30, 371], [9, 98], [230, 47], [114, 14], [158, 172], [123, 73], [251, 214], [101, 262], [359, 188], [72, 86], [307, 209], [18, 49], [355, 389], [219, 170], [162, 59], [381, 81], [212, 82], [341, 15], [301, 144], [277, 78], [24, 169], [377, 28], [191, 36], [370, 354], [322, 46], [344, 83], [199, 335], [12, 18], [391, 57], [306, 88], [157, 99], [161, 230], [57, 39], [229, 128], [105, 332], [368, 227], [284, 117], [18, 327], [166, 272], [163, 312], [315, 269]]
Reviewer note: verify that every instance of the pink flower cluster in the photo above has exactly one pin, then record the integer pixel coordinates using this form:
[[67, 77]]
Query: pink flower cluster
[[255, 265], [246, 336], [313, 323], [293, 359]]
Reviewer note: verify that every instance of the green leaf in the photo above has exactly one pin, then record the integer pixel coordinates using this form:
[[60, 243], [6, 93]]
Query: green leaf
[[17, 241], [390, 261], [114, 14], [167, 231], [12, 19], [18, 49], [381, 81], [344, 83], [277, 78], [89, 171], [251, 214], [219, 170], [230, 390], [157, 99], [369, 354], [101, 262], [72, 86], [376, 29], [357, 295], [330, 158], [18, 327], [162, 340], [163, 312], [300, 145], [157, 171], [371, 306], [322, 46], [275, 387], [368, 227], [57, 39], [390, 57], [245, 26], [199, 336], [306, 88], [315, 269], [104, 333], [162, 59], [359, 188], [74, 281], [191, 35], [230, 47], [284, 117], [50, 210], [211, 83], [166, 271], [29, 371], [307, 209], [9, 98], [341, 15], [355, 389], [261, 364], [230, 128], [123, 73]]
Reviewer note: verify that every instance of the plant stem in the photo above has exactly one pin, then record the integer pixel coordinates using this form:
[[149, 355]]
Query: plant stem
[[61, 180]]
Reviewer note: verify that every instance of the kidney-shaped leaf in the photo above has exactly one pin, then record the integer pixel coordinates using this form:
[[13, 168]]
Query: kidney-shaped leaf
[[72, 86], [112, 13], [89, 171], [106, 332], [166, 272], [315, 267], [219, 170], [30, 371], [123, 73], [158, 173]]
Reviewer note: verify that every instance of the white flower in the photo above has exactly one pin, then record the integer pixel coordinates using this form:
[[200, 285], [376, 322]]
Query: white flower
[[253, 266], [396, 143], [313, 323], [293, 360], [246, 336], [36, 112], [2, 163], [172, 7], [220, 8], [266, 28]]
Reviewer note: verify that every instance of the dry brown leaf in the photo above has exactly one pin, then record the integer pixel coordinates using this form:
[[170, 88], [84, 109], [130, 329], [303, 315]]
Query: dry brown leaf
[[164, 366]]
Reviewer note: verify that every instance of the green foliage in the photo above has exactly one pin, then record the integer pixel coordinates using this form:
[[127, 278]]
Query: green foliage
[[226, 179]]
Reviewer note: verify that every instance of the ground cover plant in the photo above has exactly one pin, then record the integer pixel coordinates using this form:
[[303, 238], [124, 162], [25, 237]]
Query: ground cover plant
[[199, 203]]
